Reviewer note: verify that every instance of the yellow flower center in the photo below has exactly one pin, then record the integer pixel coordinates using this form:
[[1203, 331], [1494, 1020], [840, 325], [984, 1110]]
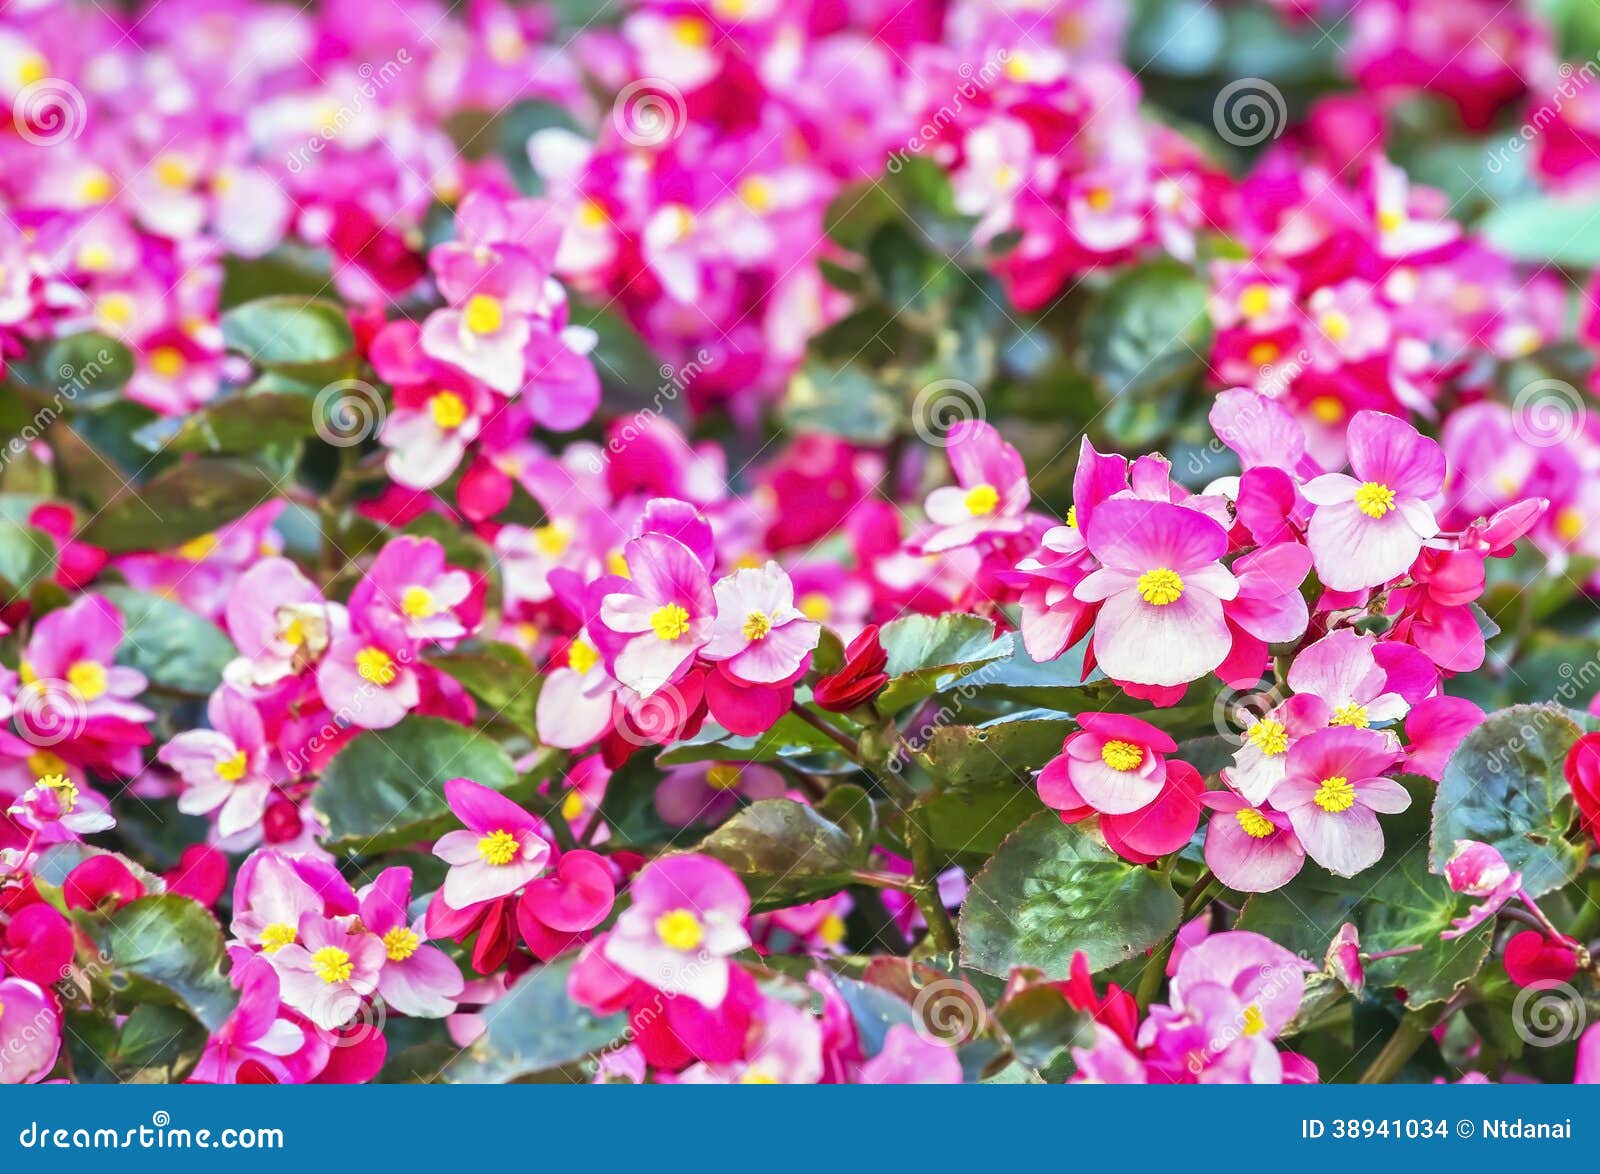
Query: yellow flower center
[[1262, 354], [1122, 755], [1254, 1022], [1072, 516], [981, 500], [1569, 524], [1329, 409], [1335, 325], [756, 1076], [231, 770], [832, 929], [756, 625], [43, 762], [331, 965], [723, 777], [376, 665], [582, 656], [1390, 219], [447, 408], [400, 943], [1099, 199], [1269, 736], [95, 188], [276, 936], [499, 848], [814, 605], [572, 806], [167, 362], [294, 632], [1255, 300], [552, 540], [32, 68], [417, 602], [756, 194], [670, 622], [483, 314], [116, 309], [88, 679], [1160, 586], [66, 791], [680, 930], [1350, 715], [1374, 499], [687, 30], [172, 171], [1335, 794], [1255, 825], [617, 564], [198, 548]]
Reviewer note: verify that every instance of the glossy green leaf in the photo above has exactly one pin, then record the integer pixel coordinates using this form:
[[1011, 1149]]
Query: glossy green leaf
[[168, 643], [786, 852], [184, 502], [1054, 889], [1148, 327], [290, 334], [534, 1029], [930, 654], [165, 949]]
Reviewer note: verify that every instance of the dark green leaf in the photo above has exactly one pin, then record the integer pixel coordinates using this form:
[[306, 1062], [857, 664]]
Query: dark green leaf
[[535, 1028], [1054, 889], [785, 852], [291, 334], [170, 644], [502, 677], [385, 789], [929, 654], [245, 423], [1148, 327], [165, 949], [156, 1044], [185, 502], [91, 365]]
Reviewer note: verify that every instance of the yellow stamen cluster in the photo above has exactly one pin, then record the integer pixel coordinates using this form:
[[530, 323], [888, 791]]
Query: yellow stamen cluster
[[231, 770], [1269, 736], [1255, 825], [1122, 756], [66, 791], [400, 943], [756, 625], [483, 314], [981, 500], [582, 656], [449, 410], [376, 665], [276, 936], [1374, 499], [88, 679], [331, 965], [1350, 715], [1254, 1022], [1160, 587], [499, 848], [723, 777], [680, 930], [670, 622], [1334, 795], [417, 602]]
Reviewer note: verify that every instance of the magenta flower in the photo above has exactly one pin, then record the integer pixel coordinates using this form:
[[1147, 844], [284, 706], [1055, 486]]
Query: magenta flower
[[226, 769], [502, 848], [273, 892], [1343, 670], [414, 979], [758, 633], [368, 675], [253, 1034], [279, 621], [991, 493], [30, 1031], [327, 973], [1251, 847], [705, 792], [69, 669], [651, 626], [688, 915], [1369, 528], [1117, 764], [1162, 585], [1259, 763], [410, 584], [1333, 789], [56, 810]]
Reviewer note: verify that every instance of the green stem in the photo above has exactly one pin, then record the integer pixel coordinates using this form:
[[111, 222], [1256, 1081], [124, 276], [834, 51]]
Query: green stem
[[1154, 972], [941, 930], [1200, 893], [1410, 1035]]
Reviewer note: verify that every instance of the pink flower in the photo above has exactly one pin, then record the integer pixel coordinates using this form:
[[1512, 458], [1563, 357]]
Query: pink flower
[[30, 1031], [502, 848], [758, 633], [279, 621], [227, 767], [1332, 791], [652, 625], [273, 892], [1163, 585], [1117, 764], [1251, 847], [71, 686], [1259, 763], [991, 493], [414, 979], [254, 1034], [1478, 870], [58, 811], [908, 1058], [688, 915], [1368, 528], [368, 675], [328, 971], [410, 584], [705, 792], [1342, 670]]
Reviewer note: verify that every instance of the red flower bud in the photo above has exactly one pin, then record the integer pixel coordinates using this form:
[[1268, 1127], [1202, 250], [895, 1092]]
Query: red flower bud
[[101, 883], [1582, 769], [860, 678]]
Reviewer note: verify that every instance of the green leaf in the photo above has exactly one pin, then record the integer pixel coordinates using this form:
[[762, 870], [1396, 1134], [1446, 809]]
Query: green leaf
[[1148, 328], [535, 1028], [1504, 785], [928, 654], [86, 364], [502, 677], [1007, 747], [244, 423], [1555, 230], [386, 788], [789, 737], [26, 556], [165, 949], [184, 502], [840, 399], [291, 335], [170, 644], [1397, 902], [156, 1044], [1054, 889], [786, 852]]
